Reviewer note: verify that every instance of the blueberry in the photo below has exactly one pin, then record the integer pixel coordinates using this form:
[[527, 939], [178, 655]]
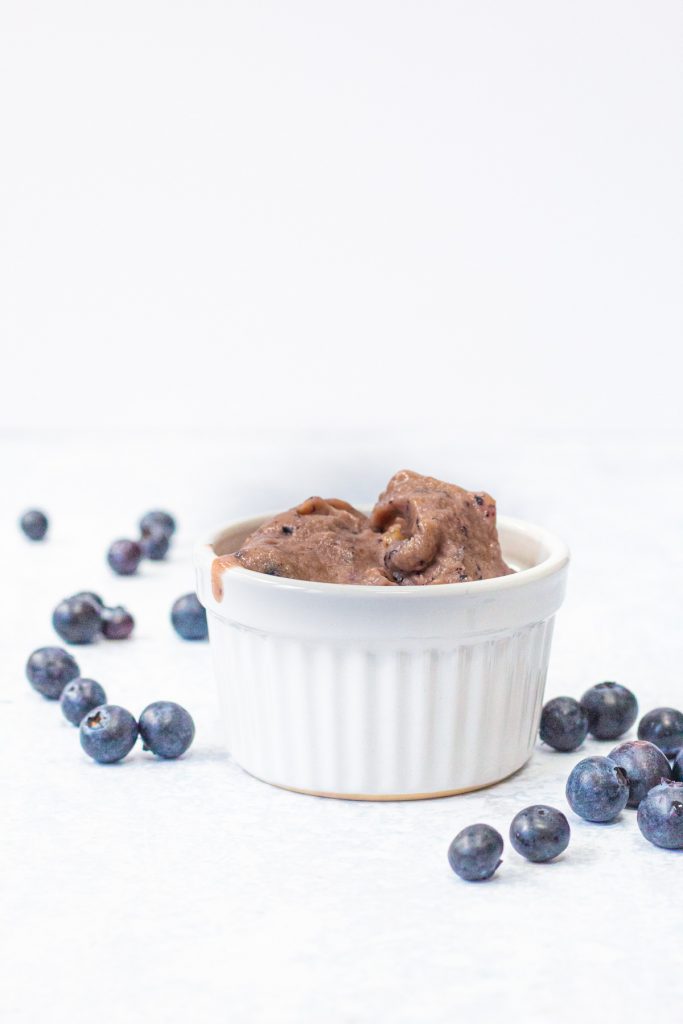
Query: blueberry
[[79, 697], [189, 618], [124, 557], [597, 789], [660, 815], [155, 544], [475, 852], [117, 623], [611, 710], [89, 595], [49, 669], [664, 728], [77, 620], [158, 520], [166, 729], [539, 833], [108, 733], [564, 723], [34, 524], [677, 767], [645, 766]]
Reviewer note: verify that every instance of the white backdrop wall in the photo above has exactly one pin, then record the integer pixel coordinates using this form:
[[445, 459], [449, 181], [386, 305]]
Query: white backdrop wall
[[257, 214]]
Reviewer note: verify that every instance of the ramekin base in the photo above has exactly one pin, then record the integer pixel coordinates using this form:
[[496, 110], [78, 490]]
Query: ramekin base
[[387, 797]]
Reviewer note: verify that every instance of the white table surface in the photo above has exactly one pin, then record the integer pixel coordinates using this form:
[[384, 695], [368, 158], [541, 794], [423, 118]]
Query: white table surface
[[189, 891]]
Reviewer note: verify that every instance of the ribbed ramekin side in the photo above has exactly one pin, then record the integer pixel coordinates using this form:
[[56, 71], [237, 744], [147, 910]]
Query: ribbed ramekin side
[[368, 720]]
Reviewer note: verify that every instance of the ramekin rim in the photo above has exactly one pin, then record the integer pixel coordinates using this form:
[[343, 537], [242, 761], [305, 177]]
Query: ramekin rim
[[557, 558]]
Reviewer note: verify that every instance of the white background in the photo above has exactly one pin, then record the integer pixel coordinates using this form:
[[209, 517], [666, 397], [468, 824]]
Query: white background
[[253, 251], [350, 213]]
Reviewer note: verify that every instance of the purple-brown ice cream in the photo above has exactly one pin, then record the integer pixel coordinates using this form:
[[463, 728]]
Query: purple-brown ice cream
[[421, 531], [435, 532]]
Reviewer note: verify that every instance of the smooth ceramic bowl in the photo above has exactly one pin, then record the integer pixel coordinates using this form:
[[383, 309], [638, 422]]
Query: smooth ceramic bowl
[[383, 693]]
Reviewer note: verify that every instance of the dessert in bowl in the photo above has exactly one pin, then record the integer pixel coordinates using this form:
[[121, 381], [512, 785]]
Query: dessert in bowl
[[419, 674]]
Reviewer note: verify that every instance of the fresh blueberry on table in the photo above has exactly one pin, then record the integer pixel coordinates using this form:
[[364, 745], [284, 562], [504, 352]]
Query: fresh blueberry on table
[[664, 728], [90, 595], [475, 852], [158, 520], [611, 710], [677, 767], [49, 669], [77, 620], [564, 724], [108, 733], [540, 833], [155, 544], [645, 767], [124, 557], [189, 618], [79, 697], [117, 623], [597, 789], [34, 524], [660, 815], [166, 729]]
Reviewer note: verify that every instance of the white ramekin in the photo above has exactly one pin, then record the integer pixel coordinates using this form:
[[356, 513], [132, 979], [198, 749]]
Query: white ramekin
[[384, 693]]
